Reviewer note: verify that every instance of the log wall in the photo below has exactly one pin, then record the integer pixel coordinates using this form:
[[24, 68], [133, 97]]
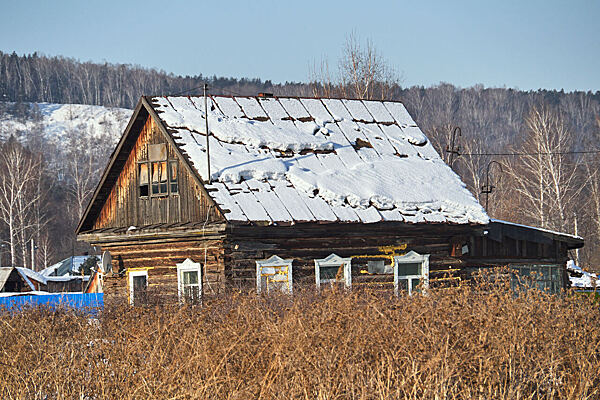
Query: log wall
[[361, 242], [160, 259], [444, 243]]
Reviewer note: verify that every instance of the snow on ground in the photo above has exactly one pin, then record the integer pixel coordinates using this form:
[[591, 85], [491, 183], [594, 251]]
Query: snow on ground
[[57, 120], [583, 279]]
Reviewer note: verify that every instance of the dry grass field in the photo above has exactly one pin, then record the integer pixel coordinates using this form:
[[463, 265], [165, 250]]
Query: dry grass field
[[468, 343]]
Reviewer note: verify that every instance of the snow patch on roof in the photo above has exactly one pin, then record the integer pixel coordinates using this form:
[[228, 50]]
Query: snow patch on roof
[[256, 134], [293, 160]]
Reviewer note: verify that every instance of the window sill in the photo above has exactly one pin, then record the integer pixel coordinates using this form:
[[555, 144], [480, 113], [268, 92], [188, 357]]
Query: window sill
[[154, 196]]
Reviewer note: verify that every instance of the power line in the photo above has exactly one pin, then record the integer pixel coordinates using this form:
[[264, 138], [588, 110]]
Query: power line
[[532, 154], [202, 87], [188, 90]]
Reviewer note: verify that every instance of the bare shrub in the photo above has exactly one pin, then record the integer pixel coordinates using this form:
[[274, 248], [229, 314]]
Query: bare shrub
[[472, 342]]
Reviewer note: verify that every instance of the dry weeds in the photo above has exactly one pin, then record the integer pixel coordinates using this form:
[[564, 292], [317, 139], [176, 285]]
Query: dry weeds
[[462, 343]]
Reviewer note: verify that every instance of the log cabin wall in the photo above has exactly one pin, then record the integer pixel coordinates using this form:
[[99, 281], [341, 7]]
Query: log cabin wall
[[125, 207], [487, 251], [304, 244], [159, 259]]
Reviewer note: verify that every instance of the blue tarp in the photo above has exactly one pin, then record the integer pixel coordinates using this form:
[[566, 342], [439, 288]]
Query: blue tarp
[[80, 301]]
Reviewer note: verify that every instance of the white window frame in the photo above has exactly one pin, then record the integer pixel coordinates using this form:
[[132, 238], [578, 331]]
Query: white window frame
[[333, 260], [188, 266], [274, 266], [133, 274], [411, 257]]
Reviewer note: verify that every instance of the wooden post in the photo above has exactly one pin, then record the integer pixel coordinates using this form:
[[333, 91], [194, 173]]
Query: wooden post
[[207, 134]]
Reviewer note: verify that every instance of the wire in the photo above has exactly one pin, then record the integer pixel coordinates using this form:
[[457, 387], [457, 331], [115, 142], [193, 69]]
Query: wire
[[533, 154], [189, 90], [229, 92], [201, 87]]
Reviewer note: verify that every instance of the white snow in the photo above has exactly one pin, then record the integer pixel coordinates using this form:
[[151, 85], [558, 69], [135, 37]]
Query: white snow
[[256, 134], [229, 107], [29, 273], [251, 107], [408, 125], [58, 120], [345, 166], [358, 110], [586, 280]]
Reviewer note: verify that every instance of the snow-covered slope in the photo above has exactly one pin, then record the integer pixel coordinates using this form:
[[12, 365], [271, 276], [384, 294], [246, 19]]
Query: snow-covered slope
[[58, 120]]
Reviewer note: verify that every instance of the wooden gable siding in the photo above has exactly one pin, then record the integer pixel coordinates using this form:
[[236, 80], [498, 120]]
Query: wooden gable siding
[[124, 207]]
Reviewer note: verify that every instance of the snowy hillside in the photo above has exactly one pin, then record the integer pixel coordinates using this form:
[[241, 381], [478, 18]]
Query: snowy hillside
[[57, 120]]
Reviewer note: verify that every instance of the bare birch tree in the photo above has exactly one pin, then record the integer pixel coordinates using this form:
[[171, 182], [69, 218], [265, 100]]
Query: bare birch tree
[[545, 176], [19, 170]]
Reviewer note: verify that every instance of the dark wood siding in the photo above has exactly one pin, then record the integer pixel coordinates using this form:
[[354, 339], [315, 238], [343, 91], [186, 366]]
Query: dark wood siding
[[124, 207], [359, 241], [160, 259]]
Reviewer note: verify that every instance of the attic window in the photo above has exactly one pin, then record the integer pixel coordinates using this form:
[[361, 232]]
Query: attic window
[[173, 176], [158, 176], [143, 173]]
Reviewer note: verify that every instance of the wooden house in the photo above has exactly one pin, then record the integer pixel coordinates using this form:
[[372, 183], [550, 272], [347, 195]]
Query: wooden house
[[19, 279], [284, 189]]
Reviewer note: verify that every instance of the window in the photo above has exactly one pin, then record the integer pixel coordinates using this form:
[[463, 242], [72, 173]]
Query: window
[[411, 270], [173, 176], [544, 277], [158, 176], [332, 270], [143, 179], [274, 274], [189, 282], [138, 287]]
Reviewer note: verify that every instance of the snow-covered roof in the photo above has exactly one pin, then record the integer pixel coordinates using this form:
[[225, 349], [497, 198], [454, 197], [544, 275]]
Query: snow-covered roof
[[66, 267], [4, 275], [27, 274], [287, 160]]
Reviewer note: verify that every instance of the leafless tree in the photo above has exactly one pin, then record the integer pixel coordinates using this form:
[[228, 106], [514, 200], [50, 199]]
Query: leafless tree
[[363, 73], [19, 172], [545, 177]]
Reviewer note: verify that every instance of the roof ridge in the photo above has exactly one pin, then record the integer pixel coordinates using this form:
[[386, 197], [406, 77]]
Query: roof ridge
[[276, 97]]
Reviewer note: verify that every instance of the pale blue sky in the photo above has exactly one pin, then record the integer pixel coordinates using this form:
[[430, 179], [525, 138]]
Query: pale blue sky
[[522, 44]]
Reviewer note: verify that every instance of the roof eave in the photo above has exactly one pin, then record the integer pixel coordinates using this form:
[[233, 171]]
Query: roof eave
[[113, 158]]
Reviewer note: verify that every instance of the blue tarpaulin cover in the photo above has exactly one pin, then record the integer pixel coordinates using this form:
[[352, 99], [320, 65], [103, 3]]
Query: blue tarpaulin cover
[[80, 301]]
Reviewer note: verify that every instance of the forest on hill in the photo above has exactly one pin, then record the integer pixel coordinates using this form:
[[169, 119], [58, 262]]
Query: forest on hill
[[538, 149]]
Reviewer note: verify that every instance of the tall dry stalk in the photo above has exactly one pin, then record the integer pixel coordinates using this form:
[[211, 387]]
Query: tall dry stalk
[[473, 342]]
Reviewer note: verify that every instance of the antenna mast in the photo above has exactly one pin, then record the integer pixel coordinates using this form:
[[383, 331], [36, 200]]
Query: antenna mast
[[207, 134], [450, 148]]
